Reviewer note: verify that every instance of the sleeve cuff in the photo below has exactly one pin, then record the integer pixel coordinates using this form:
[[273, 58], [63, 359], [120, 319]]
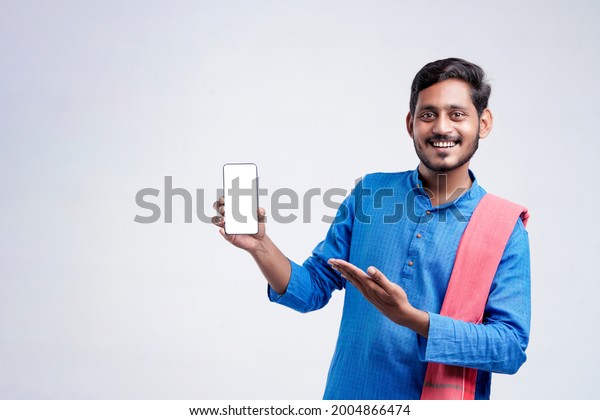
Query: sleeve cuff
[[297, 290], [433, 348]]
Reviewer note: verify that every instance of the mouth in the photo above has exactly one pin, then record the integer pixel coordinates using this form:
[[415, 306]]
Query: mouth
[[443, 144]]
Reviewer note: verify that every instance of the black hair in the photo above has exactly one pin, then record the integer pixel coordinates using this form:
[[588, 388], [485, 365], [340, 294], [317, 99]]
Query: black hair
[[452, 68]]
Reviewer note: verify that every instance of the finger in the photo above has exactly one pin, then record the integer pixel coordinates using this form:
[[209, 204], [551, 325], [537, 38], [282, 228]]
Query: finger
[[219, 207], [369, 286], [380, 279], [352, 270], [350, 277], [338, 262], [261, 215], [218, 220], [332, 262], [358, 278], [348, 271], [337, 268], [345, 265], [343, 272]]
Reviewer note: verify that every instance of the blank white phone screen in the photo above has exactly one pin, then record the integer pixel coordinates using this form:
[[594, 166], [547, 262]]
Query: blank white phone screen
[[240, 188]]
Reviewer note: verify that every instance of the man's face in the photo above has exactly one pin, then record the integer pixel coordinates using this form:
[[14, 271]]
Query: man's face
[[446, 128]]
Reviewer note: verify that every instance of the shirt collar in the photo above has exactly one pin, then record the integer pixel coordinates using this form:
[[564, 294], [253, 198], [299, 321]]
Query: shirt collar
[[474, 192]]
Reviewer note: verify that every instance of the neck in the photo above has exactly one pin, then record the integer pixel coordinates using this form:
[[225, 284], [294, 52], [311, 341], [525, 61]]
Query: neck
[[446, 186]]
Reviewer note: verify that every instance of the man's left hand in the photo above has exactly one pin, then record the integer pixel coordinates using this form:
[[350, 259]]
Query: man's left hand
[[389, 298]]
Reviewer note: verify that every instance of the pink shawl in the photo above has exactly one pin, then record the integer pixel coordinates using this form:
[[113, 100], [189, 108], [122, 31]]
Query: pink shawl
[[479, 253]]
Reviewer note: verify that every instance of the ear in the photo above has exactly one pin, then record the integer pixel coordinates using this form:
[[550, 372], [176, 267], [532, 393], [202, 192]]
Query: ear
[[486, 122], [409, 124]]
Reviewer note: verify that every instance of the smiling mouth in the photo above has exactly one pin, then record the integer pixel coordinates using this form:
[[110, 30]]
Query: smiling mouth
[[443, 144]]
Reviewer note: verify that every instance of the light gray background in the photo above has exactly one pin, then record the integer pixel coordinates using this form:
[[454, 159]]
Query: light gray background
[[100, 100]]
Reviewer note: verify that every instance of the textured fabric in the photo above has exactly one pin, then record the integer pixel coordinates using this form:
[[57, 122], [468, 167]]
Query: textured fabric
[[479, 253], [388, 221]]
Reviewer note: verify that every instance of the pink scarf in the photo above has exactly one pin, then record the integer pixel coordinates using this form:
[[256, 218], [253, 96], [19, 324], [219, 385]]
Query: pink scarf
[[479, 253]]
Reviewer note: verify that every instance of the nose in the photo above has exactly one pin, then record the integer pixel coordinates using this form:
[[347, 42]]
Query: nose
[[442, 125]]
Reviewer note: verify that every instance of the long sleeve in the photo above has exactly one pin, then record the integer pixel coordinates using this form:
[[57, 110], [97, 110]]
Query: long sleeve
[[499, 343], [312, 283]]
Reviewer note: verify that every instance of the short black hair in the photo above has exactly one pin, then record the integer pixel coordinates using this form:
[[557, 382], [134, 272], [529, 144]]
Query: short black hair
[[452, 68]]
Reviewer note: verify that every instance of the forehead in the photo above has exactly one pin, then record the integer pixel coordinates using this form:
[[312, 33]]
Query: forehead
[[449, 93]]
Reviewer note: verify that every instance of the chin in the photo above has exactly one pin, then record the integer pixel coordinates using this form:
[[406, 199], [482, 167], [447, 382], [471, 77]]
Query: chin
[[442, 170], [440, 167]]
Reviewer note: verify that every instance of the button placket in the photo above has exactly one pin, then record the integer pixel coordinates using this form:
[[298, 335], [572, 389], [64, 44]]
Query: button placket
[[415, 243]]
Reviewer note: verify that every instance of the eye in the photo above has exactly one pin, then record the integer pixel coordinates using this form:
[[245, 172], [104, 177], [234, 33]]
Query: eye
[[458, 115], [427, 116]]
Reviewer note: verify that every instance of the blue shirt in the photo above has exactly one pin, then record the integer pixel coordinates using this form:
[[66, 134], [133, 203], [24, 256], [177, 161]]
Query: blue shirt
[[388, 221]]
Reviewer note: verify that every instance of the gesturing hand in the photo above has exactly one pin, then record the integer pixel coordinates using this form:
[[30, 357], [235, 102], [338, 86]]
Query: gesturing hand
[[388, 297]]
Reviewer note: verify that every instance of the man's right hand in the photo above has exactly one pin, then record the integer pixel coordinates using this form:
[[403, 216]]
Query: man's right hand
[[274, 265], [249, 243]]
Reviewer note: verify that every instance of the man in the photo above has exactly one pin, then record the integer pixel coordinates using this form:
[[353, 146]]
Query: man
[[392, 248]]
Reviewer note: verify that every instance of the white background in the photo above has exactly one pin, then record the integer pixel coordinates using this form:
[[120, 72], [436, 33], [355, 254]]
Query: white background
[[98, 101]]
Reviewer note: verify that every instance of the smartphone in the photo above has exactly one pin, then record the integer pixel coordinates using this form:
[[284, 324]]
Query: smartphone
[[240, 189]]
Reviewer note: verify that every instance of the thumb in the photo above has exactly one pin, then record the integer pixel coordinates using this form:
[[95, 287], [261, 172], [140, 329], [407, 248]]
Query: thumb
[[374, 273], [381, 280], [225, 235]]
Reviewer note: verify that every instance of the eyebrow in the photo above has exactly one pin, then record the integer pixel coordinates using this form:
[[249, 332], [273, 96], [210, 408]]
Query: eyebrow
[[435, 108]]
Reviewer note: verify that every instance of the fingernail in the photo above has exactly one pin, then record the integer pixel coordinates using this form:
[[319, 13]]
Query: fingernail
[[371, 271]]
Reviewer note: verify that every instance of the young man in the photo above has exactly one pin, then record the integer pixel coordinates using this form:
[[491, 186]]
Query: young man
[[392, 248]]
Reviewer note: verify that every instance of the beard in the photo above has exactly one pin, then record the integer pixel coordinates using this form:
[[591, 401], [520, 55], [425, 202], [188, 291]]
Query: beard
[[445, 167]]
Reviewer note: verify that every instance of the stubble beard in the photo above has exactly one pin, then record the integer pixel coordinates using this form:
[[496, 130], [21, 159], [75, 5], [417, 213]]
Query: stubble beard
[[443, 167]]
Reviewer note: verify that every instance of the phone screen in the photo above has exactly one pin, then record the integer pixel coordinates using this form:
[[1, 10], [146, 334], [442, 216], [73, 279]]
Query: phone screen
[[240, 189]]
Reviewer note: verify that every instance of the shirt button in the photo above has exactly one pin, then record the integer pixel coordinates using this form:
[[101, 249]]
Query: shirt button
[[419, 235], [427, 212], [410, 263]]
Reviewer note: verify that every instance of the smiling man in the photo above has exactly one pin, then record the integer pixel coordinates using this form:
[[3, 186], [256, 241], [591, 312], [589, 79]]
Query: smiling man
[[431, 308]]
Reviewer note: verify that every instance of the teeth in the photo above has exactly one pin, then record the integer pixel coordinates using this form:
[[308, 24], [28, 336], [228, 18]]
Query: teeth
[[444, 144]]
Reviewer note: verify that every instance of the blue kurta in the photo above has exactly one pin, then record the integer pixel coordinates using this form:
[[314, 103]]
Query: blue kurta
[[389, 222]]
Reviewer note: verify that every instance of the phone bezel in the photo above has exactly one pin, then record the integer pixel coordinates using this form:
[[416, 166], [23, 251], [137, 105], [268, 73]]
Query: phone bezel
[[257, 196]]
